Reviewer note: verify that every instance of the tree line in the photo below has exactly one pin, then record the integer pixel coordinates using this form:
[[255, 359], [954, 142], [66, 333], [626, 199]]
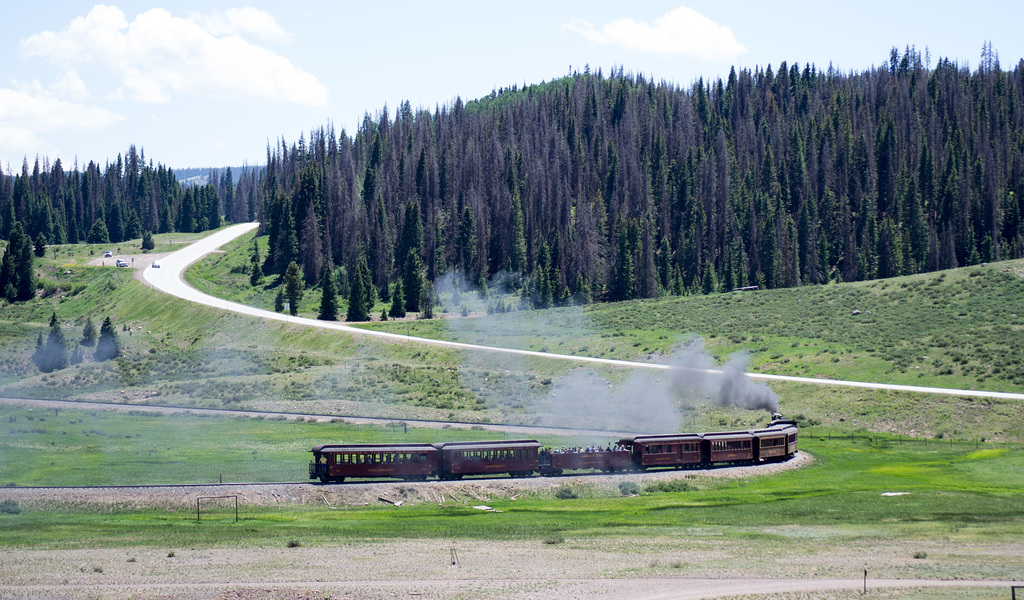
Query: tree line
[[605, 187], [617, 187]]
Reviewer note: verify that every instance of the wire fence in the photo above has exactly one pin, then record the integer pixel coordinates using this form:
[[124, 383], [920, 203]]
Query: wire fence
[[824, 433]]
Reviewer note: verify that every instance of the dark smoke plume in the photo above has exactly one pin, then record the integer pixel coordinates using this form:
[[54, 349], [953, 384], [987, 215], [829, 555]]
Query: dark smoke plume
[[729, 385]]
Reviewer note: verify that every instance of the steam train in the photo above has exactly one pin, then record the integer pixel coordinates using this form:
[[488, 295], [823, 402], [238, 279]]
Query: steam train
[[333, 463]]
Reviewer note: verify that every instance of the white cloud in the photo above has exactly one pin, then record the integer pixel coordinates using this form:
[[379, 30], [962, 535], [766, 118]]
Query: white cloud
[[234, 21], [27, 112], [159, 55], [70, 87], [682, 31], [38, 110]]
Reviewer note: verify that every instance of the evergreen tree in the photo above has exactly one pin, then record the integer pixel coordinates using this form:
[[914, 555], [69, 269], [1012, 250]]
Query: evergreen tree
[[98, 234], [108, 346], [361, 295], [465, 244], [255, 265], [411, 237], [412, 285], [427, 305], [329, 295], [17, 268], [517, 260], [88, 333], [397, 301], [294, 288], [279, 300], [40, 245], [147, 241], [542, 292], [54, 354]]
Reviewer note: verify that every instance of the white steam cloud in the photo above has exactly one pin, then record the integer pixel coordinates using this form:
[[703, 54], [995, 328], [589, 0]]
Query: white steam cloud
[[644, 401]]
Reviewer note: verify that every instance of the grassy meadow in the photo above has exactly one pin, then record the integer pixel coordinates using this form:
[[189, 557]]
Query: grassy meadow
[[955, 462], [920, 500], [957, 328]]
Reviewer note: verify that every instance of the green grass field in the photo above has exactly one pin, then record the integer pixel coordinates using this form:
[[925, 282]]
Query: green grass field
[[950, 492], [955, 461], [954, 329]]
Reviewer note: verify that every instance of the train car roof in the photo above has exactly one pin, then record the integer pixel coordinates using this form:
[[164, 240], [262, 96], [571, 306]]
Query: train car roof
[[728, 434], [487, 445], [661, 437], [374, 448], [778, 428]]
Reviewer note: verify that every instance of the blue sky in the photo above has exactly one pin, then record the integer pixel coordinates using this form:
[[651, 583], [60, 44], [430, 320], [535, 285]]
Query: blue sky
[[198, 84]]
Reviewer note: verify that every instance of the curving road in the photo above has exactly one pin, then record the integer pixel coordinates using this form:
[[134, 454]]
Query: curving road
[[167, 277]]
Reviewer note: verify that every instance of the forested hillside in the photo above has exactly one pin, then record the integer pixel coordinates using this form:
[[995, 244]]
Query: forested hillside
[[612, 186], [119, 201], [631, 188]]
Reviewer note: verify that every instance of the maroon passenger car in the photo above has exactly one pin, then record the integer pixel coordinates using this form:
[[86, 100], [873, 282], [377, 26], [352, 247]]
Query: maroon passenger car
[[775, 442], [335, 462], [728, 447], [669, 450], [518, 458], [554, 463]]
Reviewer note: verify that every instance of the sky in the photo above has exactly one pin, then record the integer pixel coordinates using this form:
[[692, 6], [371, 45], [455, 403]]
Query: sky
[[210, 84]]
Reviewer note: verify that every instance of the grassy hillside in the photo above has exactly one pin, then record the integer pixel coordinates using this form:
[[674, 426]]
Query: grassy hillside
[[954, 329]]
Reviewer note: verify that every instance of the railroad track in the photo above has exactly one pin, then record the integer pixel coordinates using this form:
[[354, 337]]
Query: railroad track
[[355, 419]]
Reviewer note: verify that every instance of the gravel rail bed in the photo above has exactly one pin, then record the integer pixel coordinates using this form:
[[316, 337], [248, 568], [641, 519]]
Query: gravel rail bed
[[359, 493]]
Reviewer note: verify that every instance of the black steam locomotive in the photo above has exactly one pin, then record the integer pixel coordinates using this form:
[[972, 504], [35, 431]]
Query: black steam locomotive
[[333, 463]]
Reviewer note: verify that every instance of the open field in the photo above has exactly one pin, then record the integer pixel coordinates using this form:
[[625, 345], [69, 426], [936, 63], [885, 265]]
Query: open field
[[963, 321], [958, 515], [903, 511]]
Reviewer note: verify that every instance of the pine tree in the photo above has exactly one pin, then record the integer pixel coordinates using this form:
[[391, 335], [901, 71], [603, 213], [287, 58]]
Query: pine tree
[[98, 234], [279, 300], [17, 268], [361, 295], [88, 334], [40, 245], [517, 260], [147, 241], [294, 288], [427, 306], [397, 301], [329, 295], [108, 346], [412, 284], [54, 354], [256, 268]]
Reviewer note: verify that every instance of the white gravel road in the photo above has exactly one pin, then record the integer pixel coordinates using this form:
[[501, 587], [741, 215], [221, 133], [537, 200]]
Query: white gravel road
[[167, 278]]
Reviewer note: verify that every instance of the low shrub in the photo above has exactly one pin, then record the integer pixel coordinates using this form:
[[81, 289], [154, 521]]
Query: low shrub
[[9, 507], [629, 488], [566, 493], [672, 485]]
